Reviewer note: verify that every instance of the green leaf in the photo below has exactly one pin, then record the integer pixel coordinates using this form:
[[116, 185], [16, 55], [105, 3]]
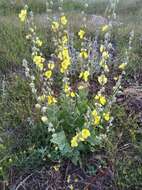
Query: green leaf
[[61, 140]]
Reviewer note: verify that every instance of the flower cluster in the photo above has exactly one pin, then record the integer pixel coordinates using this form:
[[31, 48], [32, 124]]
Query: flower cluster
[[23, 14], [84, 75], [63, 51], [68, 91], [82, 136], [96, 116]]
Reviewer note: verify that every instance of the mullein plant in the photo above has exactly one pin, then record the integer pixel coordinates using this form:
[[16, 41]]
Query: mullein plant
[[88, 125]]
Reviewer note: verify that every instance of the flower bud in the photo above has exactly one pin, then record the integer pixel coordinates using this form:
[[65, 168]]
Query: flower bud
[[44, 119]]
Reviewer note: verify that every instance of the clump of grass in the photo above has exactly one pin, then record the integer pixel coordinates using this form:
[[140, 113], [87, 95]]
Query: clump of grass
[[121, 36], [18, 100], [72, 5], [12, 45], [130, 7], [127, 153], [9, 7]]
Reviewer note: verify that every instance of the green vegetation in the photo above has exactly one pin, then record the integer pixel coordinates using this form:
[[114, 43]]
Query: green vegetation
[[12, 45], [13, 7], [129, 13], [31, 149]]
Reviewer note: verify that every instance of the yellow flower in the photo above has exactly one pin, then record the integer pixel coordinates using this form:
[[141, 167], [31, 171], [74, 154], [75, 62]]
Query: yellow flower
[[72, 94], [38, 42], [56, 168], [38, 60], [44, 119], [97, 97], [94, 113], [102, 79], [71, 187], [81, 34], [41, 98], [23, 15], [66, 88], [48, 74], [65, 63], [85, 133], [116, 78], [74, 142], [105, 28], [81, 75], [55, 26], [84, 75], [65, 53], [102, 48], [84, 54], [40, 66], [54, 100], [68, 91], [122, 66], [51, 100], [62, 70], [60, 56], [96, 117], [51, 65], [80, 138], [65, 59], [64, 39], [64, 66], [105, 55], [106, 116], [102, 100], [64, 20], [97, 120], [104, 65], [106, 68]]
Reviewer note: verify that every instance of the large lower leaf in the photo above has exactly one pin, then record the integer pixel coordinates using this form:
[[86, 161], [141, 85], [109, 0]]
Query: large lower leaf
[[61, 140]]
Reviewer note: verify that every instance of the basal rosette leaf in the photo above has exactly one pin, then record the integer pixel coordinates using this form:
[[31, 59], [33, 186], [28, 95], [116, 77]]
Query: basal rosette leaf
[[61, 141]]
